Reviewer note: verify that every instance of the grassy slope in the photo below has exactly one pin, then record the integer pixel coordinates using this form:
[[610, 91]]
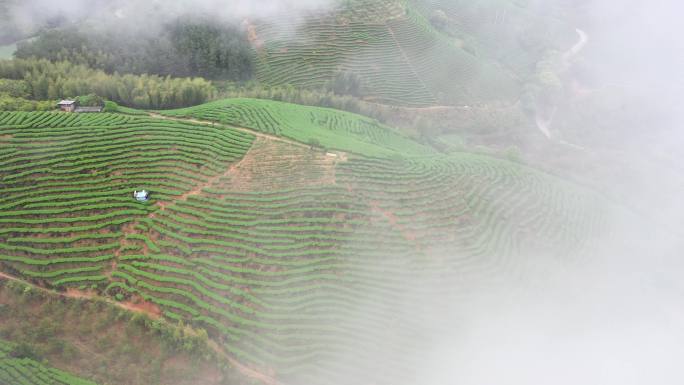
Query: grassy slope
[[304, 278], [332, 128]]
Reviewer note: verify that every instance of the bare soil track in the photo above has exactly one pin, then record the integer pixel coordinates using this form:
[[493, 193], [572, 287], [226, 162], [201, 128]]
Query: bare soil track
[[82, 294], [154, 313]]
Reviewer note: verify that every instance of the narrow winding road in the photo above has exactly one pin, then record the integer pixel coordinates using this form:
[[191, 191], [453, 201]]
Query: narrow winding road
[[577, 48], [544, 122]]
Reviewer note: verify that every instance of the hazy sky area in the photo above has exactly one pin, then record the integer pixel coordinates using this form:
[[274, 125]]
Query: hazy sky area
[[146, 16], [638, 47], [615, 317], [636, 55]]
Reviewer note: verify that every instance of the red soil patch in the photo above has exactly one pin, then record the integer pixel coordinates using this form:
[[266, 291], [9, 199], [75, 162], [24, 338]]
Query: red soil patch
[[76, 293], [262, 167], [394, 222], [252, 35], [139, 305], [198, 189], [162, 206]]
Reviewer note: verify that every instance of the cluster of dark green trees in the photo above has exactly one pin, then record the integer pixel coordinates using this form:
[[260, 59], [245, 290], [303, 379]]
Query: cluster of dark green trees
[[183, 48], [156, 71], [45, 80], [14, 96]]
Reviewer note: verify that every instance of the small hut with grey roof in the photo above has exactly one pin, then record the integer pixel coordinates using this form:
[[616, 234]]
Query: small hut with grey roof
[[67, 105]]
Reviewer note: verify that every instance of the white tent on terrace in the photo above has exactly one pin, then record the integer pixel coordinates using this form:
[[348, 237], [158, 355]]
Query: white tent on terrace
[[141, 196]]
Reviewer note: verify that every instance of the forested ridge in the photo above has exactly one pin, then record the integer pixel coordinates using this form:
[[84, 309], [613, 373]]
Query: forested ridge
[[45, 80], [169, 68], [182, 48]]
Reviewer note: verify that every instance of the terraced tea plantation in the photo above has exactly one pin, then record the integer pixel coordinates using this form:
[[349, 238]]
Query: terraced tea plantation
[[68, 179], [330, 278], [502, 30], [306, 281], [25, 371], [398, 56], [331, 128]]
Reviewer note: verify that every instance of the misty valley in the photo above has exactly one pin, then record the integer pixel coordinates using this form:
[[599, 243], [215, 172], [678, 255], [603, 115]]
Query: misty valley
[[341, 192]]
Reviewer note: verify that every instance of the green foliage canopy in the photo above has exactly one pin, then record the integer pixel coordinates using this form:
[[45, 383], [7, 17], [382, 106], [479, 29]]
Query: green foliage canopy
[[45, 80]]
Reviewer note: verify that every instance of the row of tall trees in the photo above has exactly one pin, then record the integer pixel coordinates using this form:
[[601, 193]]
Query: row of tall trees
[[46, 80], [186, 47], [14, 96]]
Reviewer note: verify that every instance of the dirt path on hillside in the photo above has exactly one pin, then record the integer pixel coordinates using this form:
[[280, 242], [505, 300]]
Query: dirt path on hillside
[[82, 294], [214, 124], [154, 313], [252, 35], [130, 228], [11, 278], [394, 223], [207, 184]]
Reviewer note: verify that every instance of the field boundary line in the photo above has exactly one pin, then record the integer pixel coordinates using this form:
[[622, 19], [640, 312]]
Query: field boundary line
[[242, 129]]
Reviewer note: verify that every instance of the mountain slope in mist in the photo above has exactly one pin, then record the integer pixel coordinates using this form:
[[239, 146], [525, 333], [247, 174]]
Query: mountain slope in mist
[[304, 245], [297, 261], [390, 51]]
